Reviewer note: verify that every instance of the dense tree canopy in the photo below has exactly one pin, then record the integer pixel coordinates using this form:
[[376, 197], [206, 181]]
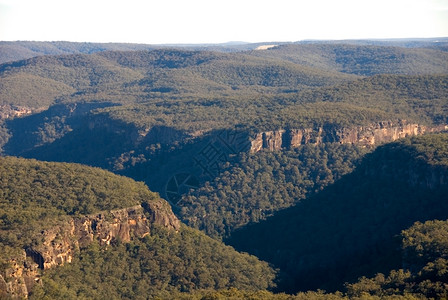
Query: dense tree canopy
[[349, 229], [319, 212], [157, 265], [35, 195], [260, 184], [39, 195]]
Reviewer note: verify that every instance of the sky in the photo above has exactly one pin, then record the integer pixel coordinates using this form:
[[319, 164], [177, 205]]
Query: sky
[[208, 21]]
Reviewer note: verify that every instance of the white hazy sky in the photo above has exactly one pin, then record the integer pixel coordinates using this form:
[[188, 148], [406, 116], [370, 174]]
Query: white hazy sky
[[208, 21]]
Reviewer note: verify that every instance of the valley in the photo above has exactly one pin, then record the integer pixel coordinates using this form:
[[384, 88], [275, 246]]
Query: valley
[[253, 171]]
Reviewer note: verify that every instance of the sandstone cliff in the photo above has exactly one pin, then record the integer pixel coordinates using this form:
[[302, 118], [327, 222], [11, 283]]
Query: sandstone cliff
[[364, 136], [19, 278], [60, 243]]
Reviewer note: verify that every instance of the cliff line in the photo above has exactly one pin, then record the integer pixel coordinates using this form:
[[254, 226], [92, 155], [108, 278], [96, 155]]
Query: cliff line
[[61, 242], [364, 136]]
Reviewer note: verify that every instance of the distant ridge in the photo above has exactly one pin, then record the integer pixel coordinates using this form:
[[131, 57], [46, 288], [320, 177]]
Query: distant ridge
[[18, 50], [396, 42]]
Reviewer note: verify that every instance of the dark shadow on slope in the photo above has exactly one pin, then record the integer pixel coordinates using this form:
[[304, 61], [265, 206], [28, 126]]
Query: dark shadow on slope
[[44, 128], [352, 228], [156, 156]]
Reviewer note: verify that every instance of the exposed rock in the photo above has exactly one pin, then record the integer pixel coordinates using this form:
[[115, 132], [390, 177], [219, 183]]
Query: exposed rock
[[105, 227], [272, 140], [19, 278], [58, 246], [160, 213], [364, 136], [60, 243], [13, 111], [3, 287], [257, 143]]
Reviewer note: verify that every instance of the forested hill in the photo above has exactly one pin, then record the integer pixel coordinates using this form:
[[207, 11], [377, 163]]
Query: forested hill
[[159, 73], [86, 233], [118, 135], [18, 50], [283, 139], [350, 228], [362, 59], [125, 95], [136, 76], [150, 114]]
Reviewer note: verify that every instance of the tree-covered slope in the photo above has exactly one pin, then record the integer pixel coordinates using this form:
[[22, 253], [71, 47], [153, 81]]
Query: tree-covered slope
[[200, 91], [55, 211], [148, 74], [422, 242], [362, 59], [36, 194], [32, 91], [423, 248], [55, 76], [349, 229], [136, 76], [422, 98], [183, 122], [258, 185], [158, 265], [424, 254], [416, 99], [423, 276], [156, 140], [19, 50], [149, 114]]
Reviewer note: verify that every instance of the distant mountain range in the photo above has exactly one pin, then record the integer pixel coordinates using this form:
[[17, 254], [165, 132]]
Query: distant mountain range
[[11, 51]]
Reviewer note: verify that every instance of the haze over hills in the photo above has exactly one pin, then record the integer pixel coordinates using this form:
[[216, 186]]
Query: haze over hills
[[18, 50], [246, 145]]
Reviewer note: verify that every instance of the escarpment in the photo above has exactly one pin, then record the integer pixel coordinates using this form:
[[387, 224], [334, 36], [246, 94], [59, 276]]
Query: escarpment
[[61, 242], [364, 136]]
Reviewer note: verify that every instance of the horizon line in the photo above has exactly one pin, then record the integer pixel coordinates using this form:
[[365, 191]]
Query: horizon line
[[234, 42]]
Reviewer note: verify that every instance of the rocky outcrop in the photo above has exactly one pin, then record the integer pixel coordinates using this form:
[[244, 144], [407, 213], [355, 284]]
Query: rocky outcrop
[[116, 225], [60, 243], [272, 140], [19, 278], [364, 136], [14, 111]]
